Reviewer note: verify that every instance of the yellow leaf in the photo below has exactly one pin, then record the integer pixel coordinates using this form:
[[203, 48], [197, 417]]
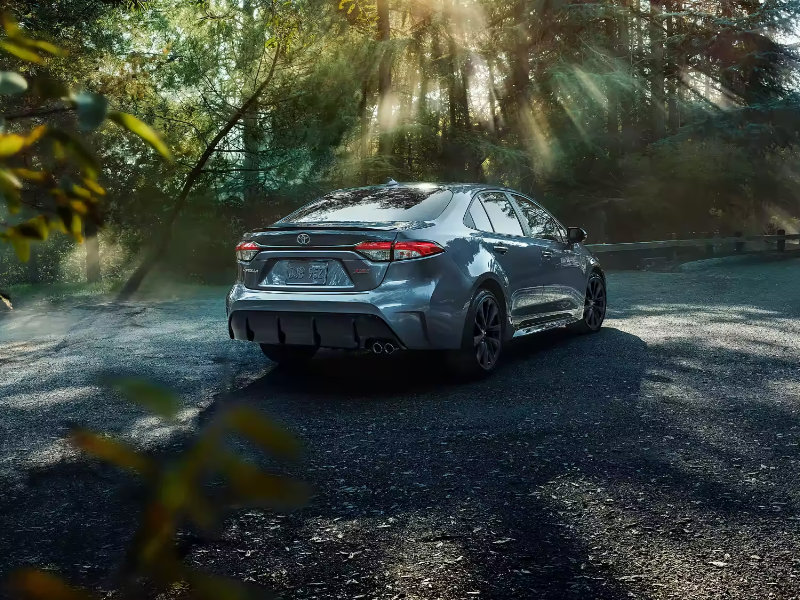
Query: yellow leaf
[[59, 152], [21, 245], [30, 175], [47, 47], [76, 227], [93, 185], [152, 397], [9, 181], [112, 451], [10, 24], [33, 584], [60, 196], [143, 130], [35, 135], [81, 192], [20, 51], [79, 207], [34, 229], [10, 186], [254, 426], [58, 225], [251, 484], [10, 144]]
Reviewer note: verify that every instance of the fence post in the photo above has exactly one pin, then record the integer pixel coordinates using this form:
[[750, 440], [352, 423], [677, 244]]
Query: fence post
[[781, 240], [738, 246]]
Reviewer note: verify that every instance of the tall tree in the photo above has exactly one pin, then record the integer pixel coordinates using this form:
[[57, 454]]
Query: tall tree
[[657, 69], [385, 96]]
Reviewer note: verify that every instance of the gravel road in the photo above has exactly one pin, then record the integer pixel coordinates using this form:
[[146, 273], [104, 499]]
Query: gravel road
[[657, 459]]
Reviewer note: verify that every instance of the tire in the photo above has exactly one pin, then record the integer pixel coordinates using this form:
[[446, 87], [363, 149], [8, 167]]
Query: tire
[[288, 356], [482, 342], [594, 308]]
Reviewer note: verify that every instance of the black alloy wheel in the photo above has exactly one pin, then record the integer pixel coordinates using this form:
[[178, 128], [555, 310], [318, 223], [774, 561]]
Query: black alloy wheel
[[487, 332], [594, 308], [483, 337]]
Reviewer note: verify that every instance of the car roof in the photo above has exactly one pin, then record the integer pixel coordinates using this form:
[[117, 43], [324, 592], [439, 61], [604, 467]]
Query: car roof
[[453, 187]]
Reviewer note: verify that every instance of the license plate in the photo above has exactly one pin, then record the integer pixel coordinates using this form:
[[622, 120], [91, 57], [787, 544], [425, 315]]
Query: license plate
[[307, 272]]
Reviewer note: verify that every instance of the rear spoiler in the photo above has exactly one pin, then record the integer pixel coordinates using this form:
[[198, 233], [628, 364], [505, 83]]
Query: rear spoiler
[[349, 226]]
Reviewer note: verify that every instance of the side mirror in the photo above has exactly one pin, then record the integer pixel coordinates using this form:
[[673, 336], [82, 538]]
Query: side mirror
[[575, 235]]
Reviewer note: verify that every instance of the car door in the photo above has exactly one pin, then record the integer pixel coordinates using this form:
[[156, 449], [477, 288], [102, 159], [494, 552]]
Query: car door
[[520, 259], [571, 272], [544, 232]]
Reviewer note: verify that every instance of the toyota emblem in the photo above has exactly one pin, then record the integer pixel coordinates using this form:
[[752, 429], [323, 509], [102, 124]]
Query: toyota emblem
[[303, 239]]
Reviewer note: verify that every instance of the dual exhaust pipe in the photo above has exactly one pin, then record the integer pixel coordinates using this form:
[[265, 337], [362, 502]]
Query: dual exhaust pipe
[[386, 348]]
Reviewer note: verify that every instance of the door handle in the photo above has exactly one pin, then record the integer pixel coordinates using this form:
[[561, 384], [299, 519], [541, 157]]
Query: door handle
[[501, 249], [547, 254]]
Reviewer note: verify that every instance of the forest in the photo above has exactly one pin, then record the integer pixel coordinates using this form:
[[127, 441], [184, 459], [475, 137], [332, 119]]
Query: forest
[[636, 119]]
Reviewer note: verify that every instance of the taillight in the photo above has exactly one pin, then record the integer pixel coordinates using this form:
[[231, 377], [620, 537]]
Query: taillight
[[388, 251], [246, 251], [407, 250], [379, 251]]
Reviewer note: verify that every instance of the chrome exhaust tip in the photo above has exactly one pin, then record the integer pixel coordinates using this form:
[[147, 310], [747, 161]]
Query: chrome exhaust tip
[[389, 348], [377, 348]]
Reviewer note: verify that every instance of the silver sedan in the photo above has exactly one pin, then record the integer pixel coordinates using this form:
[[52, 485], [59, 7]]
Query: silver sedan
[[458, 268]]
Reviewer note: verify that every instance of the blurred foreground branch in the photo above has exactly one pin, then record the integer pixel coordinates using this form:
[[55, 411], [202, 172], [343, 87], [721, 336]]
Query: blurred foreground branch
[[179, 494]]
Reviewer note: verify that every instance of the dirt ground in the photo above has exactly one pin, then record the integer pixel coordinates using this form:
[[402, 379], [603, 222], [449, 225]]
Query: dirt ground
[[657, 459]]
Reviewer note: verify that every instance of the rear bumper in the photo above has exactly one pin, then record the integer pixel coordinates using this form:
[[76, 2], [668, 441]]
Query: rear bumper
[[349, 320], [326, 330]]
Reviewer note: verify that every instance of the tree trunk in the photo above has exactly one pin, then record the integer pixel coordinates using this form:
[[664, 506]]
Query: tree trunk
[[162, 245], [675, 70], [92, 244], [384, 83], [251, 183], [519, 94], [658, 72], [363, 119], [457, 160], [251, 136], [494, 121], [611, 90], [627, 130], [639, 117]]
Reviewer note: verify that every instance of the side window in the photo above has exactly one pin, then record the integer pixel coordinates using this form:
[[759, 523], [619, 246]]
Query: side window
[[477, 215], [535, 216], [502, 214], [541, 224], [557, 231]]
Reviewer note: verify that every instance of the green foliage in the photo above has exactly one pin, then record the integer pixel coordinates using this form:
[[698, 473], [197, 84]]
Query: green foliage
[[179, 495], [49, 170], [570, 101]]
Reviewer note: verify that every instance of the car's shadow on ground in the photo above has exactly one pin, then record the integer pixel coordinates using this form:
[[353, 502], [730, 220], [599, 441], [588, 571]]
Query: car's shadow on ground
[[400, 438], [573, 443], [335, 375]]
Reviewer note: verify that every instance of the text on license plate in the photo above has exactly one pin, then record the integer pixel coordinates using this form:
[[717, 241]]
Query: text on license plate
[[307, 272]]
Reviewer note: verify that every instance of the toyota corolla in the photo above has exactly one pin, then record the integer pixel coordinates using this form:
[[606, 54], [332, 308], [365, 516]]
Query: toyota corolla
[[457, 268]]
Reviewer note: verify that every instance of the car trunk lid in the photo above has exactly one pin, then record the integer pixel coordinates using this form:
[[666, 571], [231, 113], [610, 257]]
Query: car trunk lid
[[304, 257]]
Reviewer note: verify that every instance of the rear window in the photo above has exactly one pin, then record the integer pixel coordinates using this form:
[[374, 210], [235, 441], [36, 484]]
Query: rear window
[[375, 205]]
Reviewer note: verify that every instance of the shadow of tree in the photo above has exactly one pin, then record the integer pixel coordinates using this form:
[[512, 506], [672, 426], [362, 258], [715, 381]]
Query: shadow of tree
[[583, 468], [586, 467]]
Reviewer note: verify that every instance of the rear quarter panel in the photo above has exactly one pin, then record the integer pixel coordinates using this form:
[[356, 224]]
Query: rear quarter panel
[[450, 280]]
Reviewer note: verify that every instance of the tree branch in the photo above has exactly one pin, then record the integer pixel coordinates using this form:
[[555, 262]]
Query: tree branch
[[160, 249]]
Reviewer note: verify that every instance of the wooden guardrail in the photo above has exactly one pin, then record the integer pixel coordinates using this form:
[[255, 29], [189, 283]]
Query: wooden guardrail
[[734, 244], [649, 254]]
